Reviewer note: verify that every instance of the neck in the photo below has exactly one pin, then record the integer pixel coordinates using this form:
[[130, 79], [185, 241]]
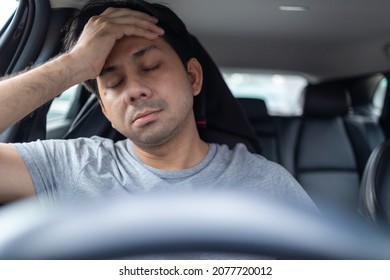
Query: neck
[[177, 154]]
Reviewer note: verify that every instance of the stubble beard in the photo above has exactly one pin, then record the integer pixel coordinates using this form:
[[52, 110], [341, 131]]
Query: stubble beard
[[160, 132]]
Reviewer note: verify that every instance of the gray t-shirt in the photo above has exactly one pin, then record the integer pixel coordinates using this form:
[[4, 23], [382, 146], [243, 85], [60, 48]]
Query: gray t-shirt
[[91, 168]]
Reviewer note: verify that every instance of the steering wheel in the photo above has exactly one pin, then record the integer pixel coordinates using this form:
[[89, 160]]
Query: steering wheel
[[183, 226]]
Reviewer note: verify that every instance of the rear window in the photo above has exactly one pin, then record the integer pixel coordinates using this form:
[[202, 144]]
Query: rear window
[[280, 92]]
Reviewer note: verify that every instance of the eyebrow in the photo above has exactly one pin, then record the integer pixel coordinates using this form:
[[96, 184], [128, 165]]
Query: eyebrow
[[134, 56]]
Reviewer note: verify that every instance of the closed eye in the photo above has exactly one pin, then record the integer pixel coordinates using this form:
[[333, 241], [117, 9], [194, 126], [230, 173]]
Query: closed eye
[[149, 69], [114, 84]]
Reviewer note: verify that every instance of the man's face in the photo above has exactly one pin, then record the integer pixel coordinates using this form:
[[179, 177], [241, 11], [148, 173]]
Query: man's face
[[146, 92]]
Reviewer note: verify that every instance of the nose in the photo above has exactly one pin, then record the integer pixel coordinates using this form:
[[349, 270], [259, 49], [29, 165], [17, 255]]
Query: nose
[[136, 90]]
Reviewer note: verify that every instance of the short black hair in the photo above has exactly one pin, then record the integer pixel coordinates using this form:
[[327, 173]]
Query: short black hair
[[176, 33]]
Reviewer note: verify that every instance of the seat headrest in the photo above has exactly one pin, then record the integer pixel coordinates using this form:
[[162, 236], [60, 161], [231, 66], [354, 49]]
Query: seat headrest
[[325, 100], [255, 108], [215, 107]]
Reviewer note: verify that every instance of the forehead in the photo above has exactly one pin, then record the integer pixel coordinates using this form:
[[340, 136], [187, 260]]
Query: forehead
[[134, 47]]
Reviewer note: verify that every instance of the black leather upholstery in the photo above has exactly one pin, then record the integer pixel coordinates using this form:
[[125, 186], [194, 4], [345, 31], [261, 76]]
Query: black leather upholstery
[[326, 149], [255, 108], [375, 187], [325, 160], [264, 126], [219, 116], [327, 100]]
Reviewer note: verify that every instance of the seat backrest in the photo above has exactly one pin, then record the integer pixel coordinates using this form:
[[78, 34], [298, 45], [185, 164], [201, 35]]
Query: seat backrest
[[326, 149], [375, 187], [219, 117], [325, 162], [264, 126]]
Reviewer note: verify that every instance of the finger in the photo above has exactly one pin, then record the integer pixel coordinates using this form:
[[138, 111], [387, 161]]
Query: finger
[[102, 28], [119, 30], [130, 17], [132, 30], [138, 23], [119, 12]]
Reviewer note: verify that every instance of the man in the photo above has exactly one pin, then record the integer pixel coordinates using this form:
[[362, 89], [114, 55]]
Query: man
[[137, 58]]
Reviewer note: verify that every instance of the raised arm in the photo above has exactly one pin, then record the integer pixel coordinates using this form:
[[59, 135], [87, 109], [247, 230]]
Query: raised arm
[[23, 93]]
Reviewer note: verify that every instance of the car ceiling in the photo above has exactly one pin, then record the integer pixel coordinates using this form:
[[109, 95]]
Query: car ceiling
[[332, 39]]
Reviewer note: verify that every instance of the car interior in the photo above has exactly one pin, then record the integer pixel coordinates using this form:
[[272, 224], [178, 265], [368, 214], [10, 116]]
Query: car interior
[[336, 147]]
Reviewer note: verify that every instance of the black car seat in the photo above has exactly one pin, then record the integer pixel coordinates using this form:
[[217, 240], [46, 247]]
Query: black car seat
[[375, 187], [264, 125], [325, 162], [326, 149], [219, 117]]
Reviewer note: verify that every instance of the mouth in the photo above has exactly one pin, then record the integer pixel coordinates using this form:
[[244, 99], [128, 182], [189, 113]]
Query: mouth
[[145, 117]]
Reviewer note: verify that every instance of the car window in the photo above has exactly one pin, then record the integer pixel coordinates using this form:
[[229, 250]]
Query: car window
[[61, 105], [280, 92], [7, 9], [379, 95], [62, 112]]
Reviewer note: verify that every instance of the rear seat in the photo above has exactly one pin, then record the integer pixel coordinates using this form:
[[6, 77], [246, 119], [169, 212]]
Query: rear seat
[[325, 161], [264, 125], [323, 148]]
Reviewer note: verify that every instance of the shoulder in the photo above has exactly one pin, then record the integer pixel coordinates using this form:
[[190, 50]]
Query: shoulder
[[58, 144], [254, 172], [81, 142], [239, 159], [69, 148], [238, 153]]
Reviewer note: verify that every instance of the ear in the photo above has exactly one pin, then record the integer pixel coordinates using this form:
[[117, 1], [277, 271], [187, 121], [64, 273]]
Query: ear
[[195, 74]]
